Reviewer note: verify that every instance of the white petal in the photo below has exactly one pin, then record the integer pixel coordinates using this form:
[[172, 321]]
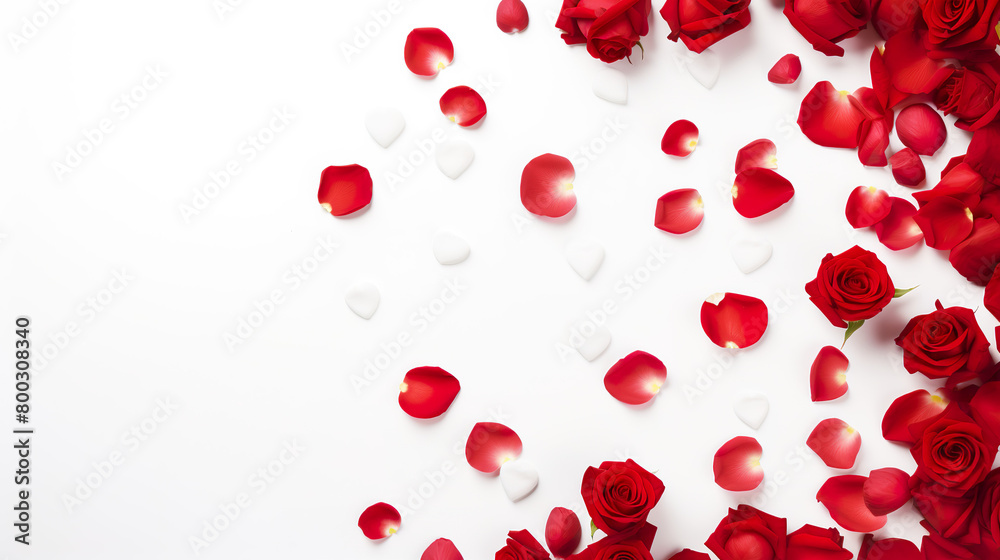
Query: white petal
[[363, 299], [449, 248], [454, 157], [750, 253], [519, 479], [585, 257], [752, 410], [385, 125], [611, 85]]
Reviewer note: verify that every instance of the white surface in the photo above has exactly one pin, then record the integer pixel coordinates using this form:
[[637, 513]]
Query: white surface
[[497, 321]]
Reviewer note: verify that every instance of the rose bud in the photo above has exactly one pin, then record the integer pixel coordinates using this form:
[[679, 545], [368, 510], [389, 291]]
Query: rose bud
[[607, 38], [886, 490]]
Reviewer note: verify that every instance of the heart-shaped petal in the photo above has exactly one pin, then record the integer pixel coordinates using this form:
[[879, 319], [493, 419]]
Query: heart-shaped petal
[[585, 257], [427, 392], [454, 157], [636, 378], [733, 320], [752, 410], [758, 191], [611, 85], [363, 299], [519, 479], [737, 465], [427, 51], [836, 443], [490, 445], [385, 125], [449, 248], [547, 186], [750, 253], [828, 375]]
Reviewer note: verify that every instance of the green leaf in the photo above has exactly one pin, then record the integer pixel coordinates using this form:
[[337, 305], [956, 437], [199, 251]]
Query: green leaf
[[901, 293], [593, 529], [852, 327]]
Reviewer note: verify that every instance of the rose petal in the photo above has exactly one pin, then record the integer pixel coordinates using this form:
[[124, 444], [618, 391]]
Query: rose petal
[[898, 230], [562, 532], [679, 211], [344, 189], [945, 221], [985, 407], [909, 409], [441, 549], [909, 68], [428, 51], [490, 445], [636, 378], [843, 498], [828, 375], [680, 139], [737, 465], [786, 70], [921, 128], [758, 191], [886, 490], [379, 521], [991, 300], [983, 154], [427, 392], [977, 256], [547, 186], [829, 118], [907, 168], [463, 105], [867, 206], [960, 181], [759, 153], [888, 549], [688, 554], [512, 16], [734, 320], [836, 443]]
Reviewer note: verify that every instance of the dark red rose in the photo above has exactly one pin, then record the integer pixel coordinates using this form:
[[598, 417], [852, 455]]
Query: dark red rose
[[946, 343], [972, 94], [853, 286], [610, 28], [749, 534], [702, 23], [622, 546], [937, 547], [521, 546], [958, 28], [815, 543], [824, 23], [988, 507], [948, 515], [620, 495], [951, 451]]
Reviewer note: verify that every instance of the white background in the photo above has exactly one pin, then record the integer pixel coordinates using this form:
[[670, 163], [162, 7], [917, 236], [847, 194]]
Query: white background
[[192, 281]]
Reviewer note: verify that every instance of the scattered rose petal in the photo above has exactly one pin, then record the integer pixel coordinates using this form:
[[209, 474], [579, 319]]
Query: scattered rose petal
[[921, 129], [611, 85], [380, 521], [512, 16], [449, 248], [843, 498], [591, 345], [874, 141], [759, 153], [759, 191], [454, 157], [737, 465], [750, 253], [889, 549], [490, 445], [585, 257], [909, 409], [898, 230], [519, 479], [836, 443], [786, 70], [733, 320], [636, 378], [562, 532], [991, 299], [441, 549], [428, 51], [547, 186], [867, 206], [907, 168], [463, 106], [363, 299], [945, 222], [907, 67], [704, 68], [886, 490], [752, 410], [427, 392], [828, 376], [977, 256], [680, 139], [983, 154], [679, 211], [385, 125], [344, 189], [830, 117]]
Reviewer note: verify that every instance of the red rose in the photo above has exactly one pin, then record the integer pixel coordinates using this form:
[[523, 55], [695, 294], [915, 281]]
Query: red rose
[[952, 451], [853, 286], [950, 516], [702, 23], [619, 496], [988, 507], [826, 22], [815, 543], [610, 28], [521, 546], [956, 28], [972, 94], [749, 534], [622, 546], [946, 343]]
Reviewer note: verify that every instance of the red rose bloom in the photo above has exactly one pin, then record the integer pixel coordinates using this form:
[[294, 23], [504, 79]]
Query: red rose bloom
[[946, 343], [953, 517], [972, 94], [952, 451], [521, 546], [749, 534], [988, 508], [814, 543], [824, 23], [853, 286], [702, 23], [619, 496], [621, 546], [958, 28], [610, 28]]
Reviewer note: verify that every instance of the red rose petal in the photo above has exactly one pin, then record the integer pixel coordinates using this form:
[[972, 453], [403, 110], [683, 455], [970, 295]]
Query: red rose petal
[[512, 16], [759, 153], [547, 186], [737, 465], [427, 51], [945, 221], [886, 490], [836, 443], [379, 521], [977, 256], [679, 211], [874, 140], [636, 378], [562, 532], [898, 230], [463, 105], [907, 410], [344, 189], [889, 549], [829, 117], [786, 70], [734, 320], [828, 376], [921, 128], [427, 392], [983, 154], [843, 498], [441, 549], [907, 168], [680, 139], [991, 300], [909, 68], [867, 206], [688, 554], [960, 181], [758, 191], [490, 445]]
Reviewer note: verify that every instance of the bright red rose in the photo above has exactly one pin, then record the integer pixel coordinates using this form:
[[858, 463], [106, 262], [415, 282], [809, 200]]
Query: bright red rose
[[610, 28], [622, 546], [952, 452], [521, 546], [620, 495], [815, 543], [749, 534], [959, 28], [824, 23], [852, 286], [972, 94], [702, 23], [946, 343]]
